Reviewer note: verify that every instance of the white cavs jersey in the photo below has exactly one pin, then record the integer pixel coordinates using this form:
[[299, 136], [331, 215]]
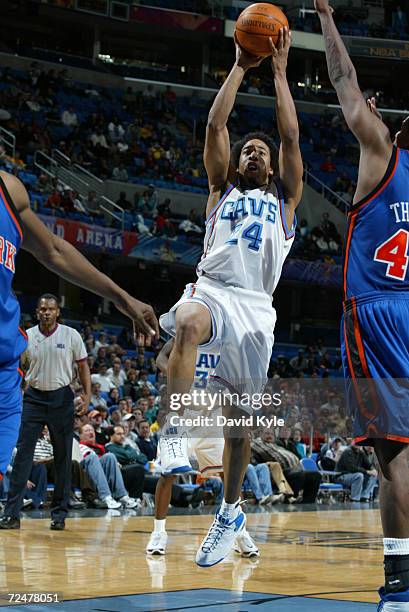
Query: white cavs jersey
[[247, 239]]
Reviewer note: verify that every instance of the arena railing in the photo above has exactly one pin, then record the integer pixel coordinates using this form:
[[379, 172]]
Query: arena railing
[[8, 139], [330, 195], [84, 182]]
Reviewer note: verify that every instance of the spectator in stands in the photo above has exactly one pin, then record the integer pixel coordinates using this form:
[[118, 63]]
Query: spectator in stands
[[146, 441], [258, 478], [120, 173], [357, 473], [123, 201], [152, 201], [144, 382], [69, 117], [103, 378], [96, 397], [103, 470], [331, 406], [99, 142], [300, 446], [328, 165], [130, 459], [123, 406], [131, 386], [54, 201], [113, 397], [102, 356], [128, 424], [332, 454], [264, 449], [149, 97], [101, 342], [116, 130], [116, 373], [95, 419], [299, 362]]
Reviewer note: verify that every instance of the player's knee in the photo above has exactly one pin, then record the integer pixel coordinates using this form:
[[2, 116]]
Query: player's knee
[[359, 477], [189, 330]]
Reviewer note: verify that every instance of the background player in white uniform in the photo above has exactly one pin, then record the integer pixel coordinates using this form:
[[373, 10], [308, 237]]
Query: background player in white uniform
[[209, 454], [249, 231]]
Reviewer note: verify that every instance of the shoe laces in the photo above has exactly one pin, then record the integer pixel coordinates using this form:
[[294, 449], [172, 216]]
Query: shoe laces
[[174, 447], [216, 532]]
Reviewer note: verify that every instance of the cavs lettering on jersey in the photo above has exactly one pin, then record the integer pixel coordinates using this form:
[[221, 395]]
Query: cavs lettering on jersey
[[247, 239], [205, 363], [13, 340], [377, 250]]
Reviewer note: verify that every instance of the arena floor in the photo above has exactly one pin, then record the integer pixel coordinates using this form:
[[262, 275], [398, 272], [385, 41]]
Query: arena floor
[[328, 559]]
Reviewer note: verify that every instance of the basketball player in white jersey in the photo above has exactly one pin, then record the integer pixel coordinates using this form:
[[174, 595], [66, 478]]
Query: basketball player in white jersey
[[208, 452], [249, 231]]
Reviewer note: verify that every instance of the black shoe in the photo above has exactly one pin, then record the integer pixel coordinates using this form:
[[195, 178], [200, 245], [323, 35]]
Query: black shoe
[[9, 522], [75, 504], [57, 525], [197, 497]]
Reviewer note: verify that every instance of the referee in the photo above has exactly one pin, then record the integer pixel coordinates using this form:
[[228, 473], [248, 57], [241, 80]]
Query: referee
[[52, 351]]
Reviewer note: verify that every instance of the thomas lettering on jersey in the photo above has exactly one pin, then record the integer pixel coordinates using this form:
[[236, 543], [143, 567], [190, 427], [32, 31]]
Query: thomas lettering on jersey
[[238, 209], [7, 254], [401, 210]]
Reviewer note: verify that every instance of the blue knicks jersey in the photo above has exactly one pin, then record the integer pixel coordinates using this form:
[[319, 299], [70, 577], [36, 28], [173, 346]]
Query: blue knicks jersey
[[13, 340], [377, 248]]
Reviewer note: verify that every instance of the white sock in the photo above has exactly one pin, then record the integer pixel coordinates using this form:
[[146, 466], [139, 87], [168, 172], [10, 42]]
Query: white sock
[[159, 525], [229, 510], [396, 546]]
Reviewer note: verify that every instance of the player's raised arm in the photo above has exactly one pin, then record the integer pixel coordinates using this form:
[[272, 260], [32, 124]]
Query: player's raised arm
[[217, 145], [369, 129], [290, 161], [62, 258]]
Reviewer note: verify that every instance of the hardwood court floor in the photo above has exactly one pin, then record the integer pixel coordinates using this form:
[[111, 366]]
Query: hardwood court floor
[[335, 554]]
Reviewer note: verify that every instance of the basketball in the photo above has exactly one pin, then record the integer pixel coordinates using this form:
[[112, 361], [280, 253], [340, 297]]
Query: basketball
[[256, 24]]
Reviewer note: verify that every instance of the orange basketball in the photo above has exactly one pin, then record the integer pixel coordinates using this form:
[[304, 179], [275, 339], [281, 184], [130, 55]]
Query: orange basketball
[[256, 24]]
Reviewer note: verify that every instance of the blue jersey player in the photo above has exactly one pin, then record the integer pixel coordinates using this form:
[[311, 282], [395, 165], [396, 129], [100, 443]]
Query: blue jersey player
[[20, 227], [375, 328]]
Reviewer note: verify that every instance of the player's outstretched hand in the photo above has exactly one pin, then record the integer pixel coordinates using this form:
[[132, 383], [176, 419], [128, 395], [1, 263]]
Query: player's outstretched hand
[[246, 60], [322, 6], [279, 52], [371, 104], [142, 315]]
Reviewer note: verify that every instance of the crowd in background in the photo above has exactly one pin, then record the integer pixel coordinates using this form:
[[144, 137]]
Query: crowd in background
[[116, 437]]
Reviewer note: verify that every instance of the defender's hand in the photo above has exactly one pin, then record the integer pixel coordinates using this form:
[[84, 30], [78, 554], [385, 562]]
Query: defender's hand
[[371, 104], [279, 53], [142, 315], [246, 60]]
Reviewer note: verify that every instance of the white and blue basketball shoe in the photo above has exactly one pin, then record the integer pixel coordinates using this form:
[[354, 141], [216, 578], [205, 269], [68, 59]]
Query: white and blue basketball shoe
[[393, 602], [173, 453], [220, 538]]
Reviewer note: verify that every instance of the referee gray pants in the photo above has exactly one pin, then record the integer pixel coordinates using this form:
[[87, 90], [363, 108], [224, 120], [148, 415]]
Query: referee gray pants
[[56, 410]]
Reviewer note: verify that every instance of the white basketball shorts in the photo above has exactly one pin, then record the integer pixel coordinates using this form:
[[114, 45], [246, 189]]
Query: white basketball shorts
[[242, 332]]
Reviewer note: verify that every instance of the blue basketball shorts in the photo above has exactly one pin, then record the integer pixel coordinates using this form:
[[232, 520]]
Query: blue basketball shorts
[[375, 354], [11, 403]]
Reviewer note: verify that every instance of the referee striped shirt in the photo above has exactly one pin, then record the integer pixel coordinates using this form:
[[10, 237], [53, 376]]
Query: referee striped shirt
[[52, 357]]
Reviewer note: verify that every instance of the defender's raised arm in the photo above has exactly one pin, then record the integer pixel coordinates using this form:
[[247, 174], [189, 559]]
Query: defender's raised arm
[[367, 127]]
